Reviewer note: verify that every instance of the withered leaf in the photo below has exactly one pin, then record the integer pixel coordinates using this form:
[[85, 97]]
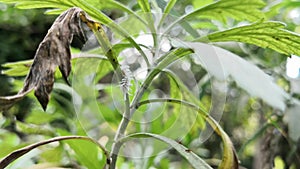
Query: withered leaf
[[7, 102], [53, 51]]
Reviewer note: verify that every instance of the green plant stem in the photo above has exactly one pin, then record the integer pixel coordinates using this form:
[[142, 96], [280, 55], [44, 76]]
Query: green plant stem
[[130, 109], [167, 59], [119, 134], [107, 48]]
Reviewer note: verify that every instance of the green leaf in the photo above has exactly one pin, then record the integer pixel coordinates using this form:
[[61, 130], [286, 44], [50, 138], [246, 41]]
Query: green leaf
[[39, 117], [204, 25], [90, 9], [167, 10], [54, 11], [20, 152], [127, 23], [193, 159], [40, 4], [30, 4], [178, 88], [198, 4], [19, 68], [264, 34], [86, 152], [220, 10], [111, 4], [186, 26], [144, 4], [9, 142], [169, 6], [229, 159], [34, 129], [172, 56], [161, 63], [236, 9]]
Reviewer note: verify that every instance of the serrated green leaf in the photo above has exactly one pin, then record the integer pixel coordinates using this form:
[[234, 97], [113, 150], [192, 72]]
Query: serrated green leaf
[[193, 159], [220, 10], [264, 34], [204, 25], [236, 9], [199, 4]]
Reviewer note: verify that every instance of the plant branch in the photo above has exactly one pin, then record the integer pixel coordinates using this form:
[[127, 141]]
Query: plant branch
[[130, 109], [107, 48], [168, 58]]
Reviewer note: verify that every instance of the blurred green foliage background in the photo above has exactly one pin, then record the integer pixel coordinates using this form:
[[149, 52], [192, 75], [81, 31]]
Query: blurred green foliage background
[[244, 117]]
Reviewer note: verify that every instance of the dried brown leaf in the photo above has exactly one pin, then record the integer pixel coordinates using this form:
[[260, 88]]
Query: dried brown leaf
[[53, 51], [7, 102]]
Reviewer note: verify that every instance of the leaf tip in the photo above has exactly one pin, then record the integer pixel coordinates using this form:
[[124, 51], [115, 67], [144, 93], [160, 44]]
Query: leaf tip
[[43, 99]]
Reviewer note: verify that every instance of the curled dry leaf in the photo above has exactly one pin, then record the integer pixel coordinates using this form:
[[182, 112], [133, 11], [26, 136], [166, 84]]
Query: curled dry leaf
[[53, 51], [7, 102]]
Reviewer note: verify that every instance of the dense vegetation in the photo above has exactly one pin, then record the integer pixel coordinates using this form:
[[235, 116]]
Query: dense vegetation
[[154, 84]]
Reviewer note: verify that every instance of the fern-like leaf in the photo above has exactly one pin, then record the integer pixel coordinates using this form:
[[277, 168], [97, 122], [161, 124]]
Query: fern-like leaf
[[264, 34], [236, 9]]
